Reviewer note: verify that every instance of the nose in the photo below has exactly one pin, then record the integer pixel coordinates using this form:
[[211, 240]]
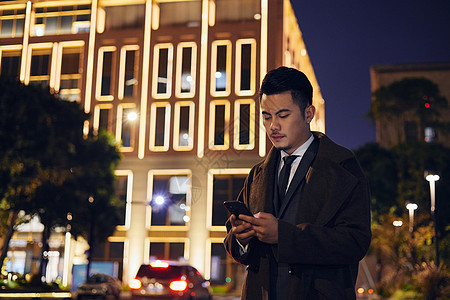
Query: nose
[[275, 125]]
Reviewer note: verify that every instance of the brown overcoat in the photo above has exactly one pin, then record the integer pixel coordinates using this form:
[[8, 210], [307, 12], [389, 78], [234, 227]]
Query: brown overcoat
[[332, 232]]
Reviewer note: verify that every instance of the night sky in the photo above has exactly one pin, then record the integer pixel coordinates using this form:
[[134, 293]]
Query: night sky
[[344, 38]]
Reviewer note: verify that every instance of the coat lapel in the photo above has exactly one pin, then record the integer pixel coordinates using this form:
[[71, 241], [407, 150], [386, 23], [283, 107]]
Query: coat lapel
[[262, 191]]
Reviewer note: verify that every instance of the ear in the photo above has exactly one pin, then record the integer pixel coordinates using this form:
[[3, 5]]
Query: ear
[[309, 113]]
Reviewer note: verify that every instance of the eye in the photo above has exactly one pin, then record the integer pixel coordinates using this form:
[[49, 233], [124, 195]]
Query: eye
[[266, 117], [283, 116]]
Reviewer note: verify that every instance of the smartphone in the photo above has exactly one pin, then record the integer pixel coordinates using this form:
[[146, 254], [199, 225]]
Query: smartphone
[[237, 208]]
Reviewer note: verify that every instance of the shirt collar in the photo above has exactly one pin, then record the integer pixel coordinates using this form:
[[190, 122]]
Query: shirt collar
[[300, 151]]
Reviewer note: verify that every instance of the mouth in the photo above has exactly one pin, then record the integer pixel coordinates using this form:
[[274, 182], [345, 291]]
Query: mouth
[[277, 137]]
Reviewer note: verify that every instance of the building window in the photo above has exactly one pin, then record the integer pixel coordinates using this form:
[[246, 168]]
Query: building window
[[245, 67], [125, 133], [225, 187], [183, 136], [124, 17], [224, 269], [10, 63], [237, 10], [61, 20], [39, 73], [219, 120], [430, 135], [244, 126], [170, 199], [128, 71], [162, 71], [105, 67], [220, 68], [167, 250], [411, 132], [122, 190], [103, 115], [159, 126], [186, 69], [187, 13], [11, 22], [69, 85]]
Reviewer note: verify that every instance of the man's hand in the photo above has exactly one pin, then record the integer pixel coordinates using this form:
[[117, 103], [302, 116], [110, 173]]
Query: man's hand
[[265, 225], [242, 230]]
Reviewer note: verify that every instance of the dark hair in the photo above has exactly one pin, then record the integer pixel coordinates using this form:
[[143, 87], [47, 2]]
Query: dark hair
[[285, 79]]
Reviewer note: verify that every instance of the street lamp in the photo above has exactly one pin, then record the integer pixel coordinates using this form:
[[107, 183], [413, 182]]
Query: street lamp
[[397, 224], [411, 207], [432, 178]]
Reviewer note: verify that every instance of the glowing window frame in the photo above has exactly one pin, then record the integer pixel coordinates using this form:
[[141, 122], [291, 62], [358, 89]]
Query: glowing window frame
[[96, 121], [210, 193], [122, 65], [212, 122], [239, 44], [152, 140], [148, 217], [119, 122], [237, 124], [179, 70], [184, 240], [52, 60], [214, 46], [156, 50], [74, 45], [59, 13], [176, 129], [15, 17], [11, 48], [98, 87], [129, 198]]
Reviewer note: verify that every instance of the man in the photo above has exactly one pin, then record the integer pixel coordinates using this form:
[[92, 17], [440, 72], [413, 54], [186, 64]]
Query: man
[[311, 224]]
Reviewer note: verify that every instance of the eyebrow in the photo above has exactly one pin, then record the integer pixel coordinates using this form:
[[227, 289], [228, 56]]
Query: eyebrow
[[278, 112]]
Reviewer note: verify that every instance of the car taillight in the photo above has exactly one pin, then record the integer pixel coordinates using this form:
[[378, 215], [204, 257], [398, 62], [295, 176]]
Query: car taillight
[[178, 285], [135, 284]]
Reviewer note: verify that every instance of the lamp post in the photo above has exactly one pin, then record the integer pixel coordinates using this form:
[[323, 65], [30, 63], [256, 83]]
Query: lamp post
[[411, 207], [432, 178], [397, 224]]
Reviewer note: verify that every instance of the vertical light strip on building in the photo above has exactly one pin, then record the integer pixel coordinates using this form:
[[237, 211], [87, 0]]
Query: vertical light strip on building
[[90, 59], [26, 36], [53, 66], [145, 72], [202, 82], [66, 262], [263, 70]]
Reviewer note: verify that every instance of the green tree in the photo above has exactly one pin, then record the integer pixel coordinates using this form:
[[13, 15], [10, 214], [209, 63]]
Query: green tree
[[396, 177], [49, 168], [412, 99]]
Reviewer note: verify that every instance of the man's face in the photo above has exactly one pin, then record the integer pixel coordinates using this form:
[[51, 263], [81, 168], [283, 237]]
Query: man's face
[[284, 123]]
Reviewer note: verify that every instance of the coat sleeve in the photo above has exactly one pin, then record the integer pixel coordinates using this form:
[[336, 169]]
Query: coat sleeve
[[343, 238], [230, 242]]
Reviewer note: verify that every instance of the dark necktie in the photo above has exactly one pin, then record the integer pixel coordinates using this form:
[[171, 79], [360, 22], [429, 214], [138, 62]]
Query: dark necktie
[[284, 177]]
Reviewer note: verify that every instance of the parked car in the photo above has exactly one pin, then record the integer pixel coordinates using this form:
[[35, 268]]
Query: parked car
[[100, 285], [169, 280]]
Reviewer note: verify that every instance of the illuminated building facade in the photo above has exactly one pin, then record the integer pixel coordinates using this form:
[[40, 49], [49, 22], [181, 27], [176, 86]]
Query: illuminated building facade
[[176, 82], [395, 130]]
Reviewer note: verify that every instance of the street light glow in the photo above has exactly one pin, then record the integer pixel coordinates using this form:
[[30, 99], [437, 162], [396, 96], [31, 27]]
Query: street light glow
[[432, 177], [159, 200], [132, 116], [411, 206], [397, 223]]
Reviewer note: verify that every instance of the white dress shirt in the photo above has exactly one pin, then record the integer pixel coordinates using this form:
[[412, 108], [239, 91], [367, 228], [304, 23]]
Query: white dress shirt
[[300, 151]]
